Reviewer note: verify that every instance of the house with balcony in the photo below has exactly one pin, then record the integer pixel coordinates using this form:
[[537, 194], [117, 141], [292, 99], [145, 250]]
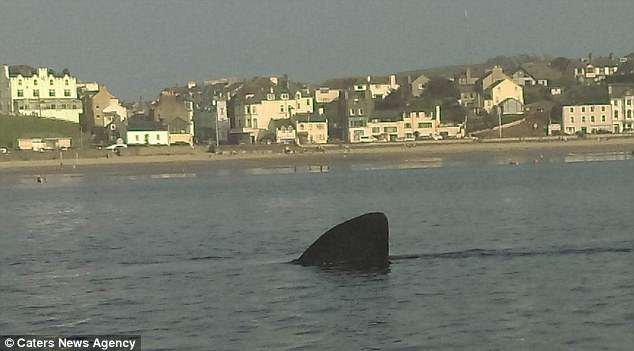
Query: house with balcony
[[398, 125]]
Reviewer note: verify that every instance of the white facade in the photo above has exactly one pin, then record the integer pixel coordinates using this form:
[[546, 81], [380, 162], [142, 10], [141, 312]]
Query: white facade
[[623, 112], [149, 137], [411, 126], [257, 115], [326, 95], [44, 94], [285, 135], [316, 132]]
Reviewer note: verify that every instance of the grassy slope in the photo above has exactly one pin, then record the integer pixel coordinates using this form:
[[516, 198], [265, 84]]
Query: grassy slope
[[12, 128]]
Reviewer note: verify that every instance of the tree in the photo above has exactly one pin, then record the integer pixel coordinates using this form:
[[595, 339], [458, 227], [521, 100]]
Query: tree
[[439, 88], [561, 64]]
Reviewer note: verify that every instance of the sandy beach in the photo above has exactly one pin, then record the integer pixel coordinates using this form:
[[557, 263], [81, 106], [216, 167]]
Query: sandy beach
[[264, 157]]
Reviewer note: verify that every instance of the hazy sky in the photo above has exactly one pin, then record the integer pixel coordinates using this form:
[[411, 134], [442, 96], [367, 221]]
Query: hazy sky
[[136, 47]]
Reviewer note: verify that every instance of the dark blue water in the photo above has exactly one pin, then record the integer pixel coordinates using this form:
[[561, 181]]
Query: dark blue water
[[195, 261]]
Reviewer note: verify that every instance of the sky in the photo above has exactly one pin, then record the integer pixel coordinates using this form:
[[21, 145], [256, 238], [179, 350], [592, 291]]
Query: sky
[[138, 47]]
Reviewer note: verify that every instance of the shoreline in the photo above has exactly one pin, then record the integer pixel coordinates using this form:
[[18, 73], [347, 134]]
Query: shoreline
[[370, 153]]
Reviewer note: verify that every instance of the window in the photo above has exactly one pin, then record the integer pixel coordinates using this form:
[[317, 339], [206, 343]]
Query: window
[[307, 102], [51, 92], [35, 82], [284, 96], [629, 102], [389, 129], [158, 137], [36, 93], [591, 108], [247, 109], [572, 120], [408, 125], [270, 97], [583, 119], [255, 123], [282, 108], [19, 81], [376, 130], [583, 109], [424, 125], [616, 114], [63, 106], [253, 109], [351, 112], [66, 92], [592, 119], [360, 112], [52, 107], [66, 82], [20, 93], [51, 82], [602, 108], [629, 114], [136, 137], [602, 118], [572, 109]]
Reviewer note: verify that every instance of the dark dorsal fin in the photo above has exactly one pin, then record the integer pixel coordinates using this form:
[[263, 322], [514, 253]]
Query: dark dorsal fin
[[361, 242]]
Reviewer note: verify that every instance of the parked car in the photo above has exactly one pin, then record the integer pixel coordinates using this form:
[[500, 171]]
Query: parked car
[[114, 147], [4, 151]]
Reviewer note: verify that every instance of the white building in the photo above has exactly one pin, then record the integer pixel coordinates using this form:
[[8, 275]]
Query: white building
[[622, 101], [148, 137], [409, 126], [326, 95], [379, 87], [39, 92]]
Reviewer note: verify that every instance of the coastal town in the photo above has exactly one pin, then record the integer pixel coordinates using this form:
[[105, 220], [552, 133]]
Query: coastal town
[[506, 97]]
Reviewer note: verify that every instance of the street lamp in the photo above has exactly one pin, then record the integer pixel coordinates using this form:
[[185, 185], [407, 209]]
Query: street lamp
[[499, 109]]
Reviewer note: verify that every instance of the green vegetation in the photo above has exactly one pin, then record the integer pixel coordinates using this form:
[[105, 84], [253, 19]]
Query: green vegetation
[[13, 128]]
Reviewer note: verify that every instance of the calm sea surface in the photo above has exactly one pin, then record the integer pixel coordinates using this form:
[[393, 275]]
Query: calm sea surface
[[196, 260]]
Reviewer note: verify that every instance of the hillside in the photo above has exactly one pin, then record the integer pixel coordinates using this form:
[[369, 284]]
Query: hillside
[[12, 128]]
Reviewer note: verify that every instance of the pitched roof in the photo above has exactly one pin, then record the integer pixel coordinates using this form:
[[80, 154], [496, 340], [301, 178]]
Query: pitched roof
[[24, 70], [139, 124], [603, 61], [391, 115], [540, 71], [310, 118]]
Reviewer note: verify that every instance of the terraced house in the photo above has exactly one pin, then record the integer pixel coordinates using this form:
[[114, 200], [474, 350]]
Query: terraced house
[[262, 100], [591, 118], [39, 92], [622, 101]]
